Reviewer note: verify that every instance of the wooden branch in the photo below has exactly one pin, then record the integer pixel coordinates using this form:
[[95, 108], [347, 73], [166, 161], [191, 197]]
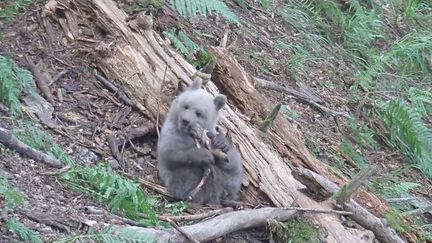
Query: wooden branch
[[359, 214], [207, 173], [184, 233], [268, 122], [265, 84], [41, 81], [112, 142], [195, 217], [12, 142], [418, 211], [308, 99], [220, 225], [344, 194], [314, 210]]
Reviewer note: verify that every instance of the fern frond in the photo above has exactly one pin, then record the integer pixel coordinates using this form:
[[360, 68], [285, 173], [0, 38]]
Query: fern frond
[[10, 195], [409, 134], [118, 193], [189, 8], [22, 231], [41, 140], [178, 44], [421, 100], [14, 81]]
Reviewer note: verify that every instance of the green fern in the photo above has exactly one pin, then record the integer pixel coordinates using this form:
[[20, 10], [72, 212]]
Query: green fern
[[14, 81], [119, 194], [189, 8], [25, 234], [10, 195], [348, 150], [190, 50], [421, 101], [41, 140], [178, 44], [13, 8], [409, 134], [411, 55], [389, 189], [110, 235]]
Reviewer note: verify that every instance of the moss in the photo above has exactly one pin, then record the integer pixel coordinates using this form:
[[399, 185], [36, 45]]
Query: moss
[[294, 230]]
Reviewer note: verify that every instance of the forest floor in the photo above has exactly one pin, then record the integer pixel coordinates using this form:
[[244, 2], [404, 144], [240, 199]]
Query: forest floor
[[87, 113]]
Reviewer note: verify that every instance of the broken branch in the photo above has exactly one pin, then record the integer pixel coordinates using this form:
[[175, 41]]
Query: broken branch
[[41, 82], [268, 122], [12, 142]]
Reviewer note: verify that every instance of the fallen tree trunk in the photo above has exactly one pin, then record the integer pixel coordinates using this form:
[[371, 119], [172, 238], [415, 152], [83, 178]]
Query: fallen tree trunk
[[219, 225], [137, 63]]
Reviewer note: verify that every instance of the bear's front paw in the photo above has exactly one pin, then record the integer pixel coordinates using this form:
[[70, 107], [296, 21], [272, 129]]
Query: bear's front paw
[[220, 142], [202, 156]]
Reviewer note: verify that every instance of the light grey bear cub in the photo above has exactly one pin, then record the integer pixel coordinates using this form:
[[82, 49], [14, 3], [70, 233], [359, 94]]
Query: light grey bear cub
[[181, 164]]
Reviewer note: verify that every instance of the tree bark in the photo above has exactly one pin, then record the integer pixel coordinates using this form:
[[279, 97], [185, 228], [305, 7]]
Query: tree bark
[[149, 73]]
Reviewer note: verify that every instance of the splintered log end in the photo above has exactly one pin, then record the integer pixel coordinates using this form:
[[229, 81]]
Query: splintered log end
[[344, 194], [268, 122]]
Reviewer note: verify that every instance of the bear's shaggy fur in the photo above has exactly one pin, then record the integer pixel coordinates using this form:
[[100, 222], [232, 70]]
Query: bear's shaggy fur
[[181, 164]]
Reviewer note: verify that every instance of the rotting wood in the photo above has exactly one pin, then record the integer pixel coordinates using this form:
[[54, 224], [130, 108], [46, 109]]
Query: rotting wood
[[12, 142], [137, 63], [359, 214], [220, 225], [344, 194]]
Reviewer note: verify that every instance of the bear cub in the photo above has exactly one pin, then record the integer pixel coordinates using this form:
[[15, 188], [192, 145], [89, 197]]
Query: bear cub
[[181, 164]]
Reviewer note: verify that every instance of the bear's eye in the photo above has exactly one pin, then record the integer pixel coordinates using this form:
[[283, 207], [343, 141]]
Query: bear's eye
[[186, 107], [198, 114]]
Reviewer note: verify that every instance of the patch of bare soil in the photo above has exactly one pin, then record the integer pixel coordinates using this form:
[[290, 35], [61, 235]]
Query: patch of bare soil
[[88, 113]]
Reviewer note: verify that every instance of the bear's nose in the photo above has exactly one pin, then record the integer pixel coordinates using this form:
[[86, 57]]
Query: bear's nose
[[185, 122]]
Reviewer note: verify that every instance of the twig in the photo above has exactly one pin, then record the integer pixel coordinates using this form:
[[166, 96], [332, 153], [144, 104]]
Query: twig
[[184, 233], [114, 89], [193, 193], [153, 186], [315, 210], [41, 82], [266, 84], [195, 217], [57, 172], [12, 142], [58, 76], [122, 95], [268, 122], [112, 142]]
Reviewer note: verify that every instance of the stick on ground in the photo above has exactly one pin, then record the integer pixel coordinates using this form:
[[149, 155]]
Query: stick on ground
[[12, 142]]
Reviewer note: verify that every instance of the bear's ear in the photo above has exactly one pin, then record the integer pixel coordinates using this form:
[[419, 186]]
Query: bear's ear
[[219, 101], [196, 84]]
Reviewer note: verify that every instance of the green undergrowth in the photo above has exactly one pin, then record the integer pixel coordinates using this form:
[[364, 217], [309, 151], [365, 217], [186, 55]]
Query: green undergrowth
[[41, 140], [11, 198], [190, 50], [293, 230], [122, 195], [14, 81], [109, 235], [12, 8], [393, 69], [203, 7]]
